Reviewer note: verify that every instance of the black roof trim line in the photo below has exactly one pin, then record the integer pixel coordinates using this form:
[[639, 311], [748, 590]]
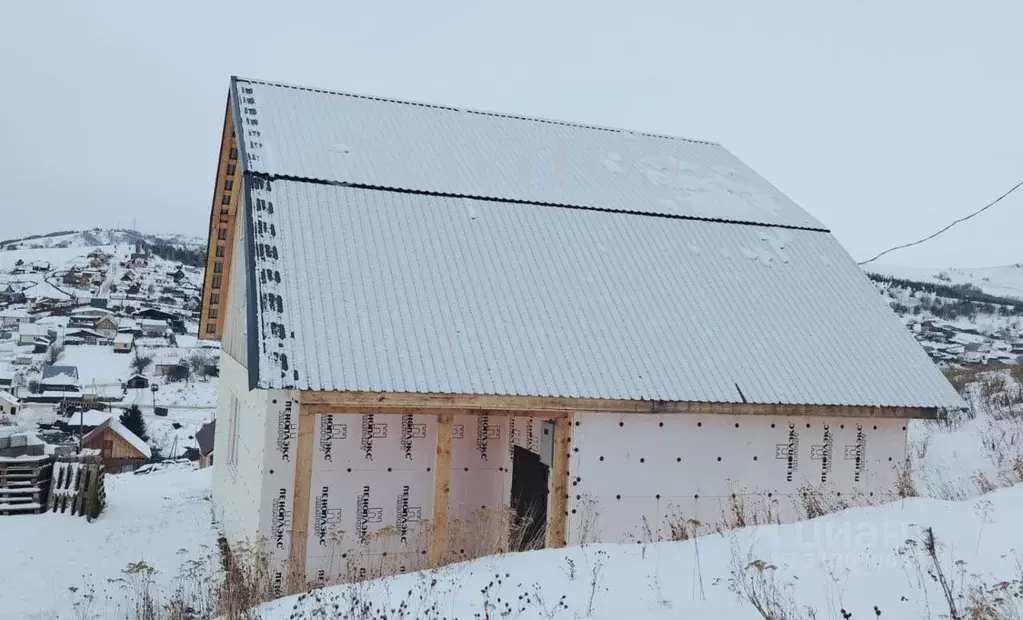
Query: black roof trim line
[[398, 190]]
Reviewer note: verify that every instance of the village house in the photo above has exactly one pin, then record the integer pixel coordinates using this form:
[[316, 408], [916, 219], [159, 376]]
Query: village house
[[590, 327], [121, 450], [153, 328], [153, 314], [12, 317], [205, 439], [136, 382], [6, 379], [83, 335], [165, 366], [59, 379], [28, 333], [124, 342], [8, 403]]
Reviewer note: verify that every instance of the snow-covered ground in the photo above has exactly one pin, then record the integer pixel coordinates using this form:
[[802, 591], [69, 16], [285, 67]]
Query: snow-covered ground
[[854, 560], [99, 366], [49, 562]]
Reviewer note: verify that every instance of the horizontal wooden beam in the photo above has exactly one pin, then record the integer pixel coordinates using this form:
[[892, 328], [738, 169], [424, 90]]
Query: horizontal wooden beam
[[359, 409], [394, 402]]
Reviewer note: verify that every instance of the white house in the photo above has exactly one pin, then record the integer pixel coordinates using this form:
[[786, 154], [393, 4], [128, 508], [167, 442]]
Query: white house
[[12, 317], [28, 333], [603, 330], [9, 405], [124, 342]]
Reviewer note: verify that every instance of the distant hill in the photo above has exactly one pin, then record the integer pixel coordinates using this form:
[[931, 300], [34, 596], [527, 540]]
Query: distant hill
[[176, 248], [99, 237], [960, 316]]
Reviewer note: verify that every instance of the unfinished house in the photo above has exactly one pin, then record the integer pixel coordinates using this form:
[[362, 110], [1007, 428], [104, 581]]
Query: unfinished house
[[442, 328]]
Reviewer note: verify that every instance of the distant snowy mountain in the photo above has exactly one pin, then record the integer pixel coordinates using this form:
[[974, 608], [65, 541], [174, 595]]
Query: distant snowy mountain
[[1000, 281], [961, 316], [98, 237]]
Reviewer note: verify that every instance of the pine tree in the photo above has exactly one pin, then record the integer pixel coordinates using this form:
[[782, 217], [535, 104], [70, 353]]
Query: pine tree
[[132, 420]]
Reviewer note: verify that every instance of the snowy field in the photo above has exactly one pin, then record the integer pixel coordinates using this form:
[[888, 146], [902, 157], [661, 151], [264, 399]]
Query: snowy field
[[98, 366], [162, 518], [853, 560]]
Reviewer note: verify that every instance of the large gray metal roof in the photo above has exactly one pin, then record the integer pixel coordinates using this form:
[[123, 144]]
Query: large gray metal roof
[[373, 290], [305, 133]]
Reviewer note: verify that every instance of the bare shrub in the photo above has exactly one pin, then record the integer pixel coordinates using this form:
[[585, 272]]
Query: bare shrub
[[757, 582], [815, 502], [140, 362], [904, 485]]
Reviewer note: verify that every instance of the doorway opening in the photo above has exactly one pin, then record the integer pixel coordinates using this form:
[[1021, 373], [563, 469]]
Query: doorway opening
[[529, 501]]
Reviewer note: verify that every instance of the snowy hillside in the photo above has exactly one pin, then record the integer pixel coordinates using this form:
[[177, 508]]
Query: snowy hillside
[[960, 316], [1001, 281], [96, 237]]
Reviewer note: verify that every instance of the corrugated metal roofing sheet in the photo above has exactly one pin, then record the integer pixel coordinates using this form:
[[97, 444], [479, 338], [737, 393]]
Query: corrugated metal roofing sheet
[[387, 291], [313, 134]]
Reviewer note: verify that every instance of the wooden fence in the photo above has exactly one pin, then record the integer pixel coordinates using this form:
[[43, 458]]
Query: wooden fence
[[77, 486], [24, 482]]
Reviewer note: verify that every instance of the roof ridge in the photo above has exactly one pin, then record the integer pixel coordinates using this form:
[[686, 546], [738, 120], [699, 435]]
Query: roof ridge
[[557, 205], [535, 119]]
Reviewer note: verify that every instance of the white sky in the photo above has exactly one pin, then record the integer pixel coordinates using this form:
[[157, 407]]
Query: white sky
[[883, 118]]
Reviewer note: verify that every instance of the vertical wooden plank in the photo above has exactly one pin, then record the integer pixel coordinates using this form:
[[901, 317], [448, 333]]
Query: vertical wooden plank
[[300, 501], [557, 512], [441, 490]]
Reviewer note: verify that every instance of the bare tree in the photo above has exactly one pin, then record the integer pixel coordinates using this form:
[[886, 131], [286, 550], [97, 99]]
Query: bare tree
[[54, 352], [141, 362], [201, 363]]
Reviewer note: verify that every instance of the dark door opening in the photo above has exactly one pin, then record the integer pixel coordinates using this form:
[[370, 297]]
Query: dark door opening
[[529, 501]]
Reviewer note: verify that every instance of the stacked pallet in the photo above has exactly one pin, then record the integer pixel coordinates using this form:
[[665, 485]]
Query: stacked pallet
[[78, 487], [24, 482]]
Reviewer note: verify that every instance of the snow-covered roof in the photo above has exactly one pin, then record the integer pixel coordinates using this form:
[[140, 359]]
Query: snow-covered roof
[[90, 418], [31, 329], [59, 375], [81, 331], [166, 361], [115, 425], [368, 141], [124, 339], [370, 290], [91, 311], [8, 398], [153, 324]]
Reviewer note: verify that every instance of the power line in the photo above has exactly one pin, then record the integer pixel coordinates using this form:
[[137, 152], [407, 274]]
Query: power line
[[960, 220]]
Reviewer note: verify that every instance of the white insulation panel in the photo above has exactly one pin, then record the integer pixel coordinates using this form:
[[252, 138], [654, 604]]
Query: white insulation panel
[[631, 475], [372, 490]]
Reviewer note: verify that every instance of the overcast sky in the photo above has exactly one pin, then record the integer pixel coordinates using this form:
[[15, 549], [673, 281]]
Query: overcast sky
[[883, 118]]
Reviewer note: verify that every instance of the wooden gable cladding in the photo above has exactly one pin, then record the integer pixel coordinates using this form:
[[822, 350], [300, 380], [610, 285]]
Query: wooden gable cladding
[[223, 215], [113, 446]]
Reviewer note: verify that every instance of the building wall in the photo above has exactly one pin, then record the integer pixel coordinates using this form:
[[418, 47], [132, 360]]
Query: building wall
[[239, 486], [372, 492], [632, 475], [117, 449]]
